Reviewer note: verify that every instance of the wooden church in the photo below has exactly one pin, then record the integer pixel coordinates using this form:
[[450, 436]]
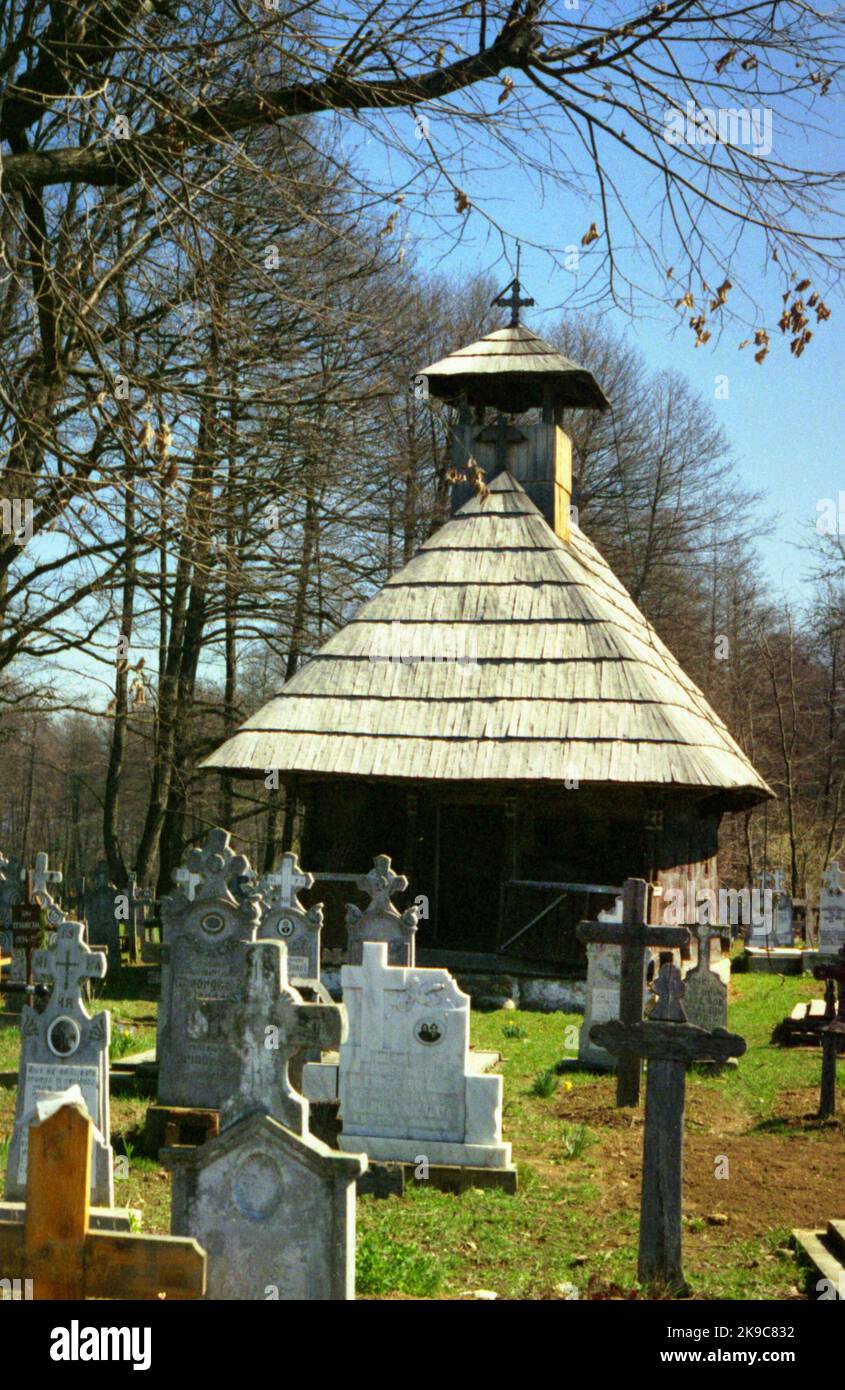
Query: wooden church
[[500, 718]]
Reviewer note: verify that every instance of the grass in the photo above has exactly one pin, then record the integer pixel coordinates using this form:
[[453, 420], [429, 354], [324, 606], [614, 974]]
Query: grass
[[572, 1228]]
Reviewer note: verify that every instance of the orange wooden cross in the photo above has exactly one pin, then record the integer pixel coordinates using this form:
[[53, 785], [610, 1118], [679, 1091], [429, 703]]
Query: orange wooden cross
[[57, 1251]]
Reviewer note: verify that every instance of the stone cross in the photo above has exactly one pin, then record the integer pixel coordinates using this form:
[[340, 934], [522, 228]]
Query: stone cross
[[288, 881], [381, 921], [69, 963], [216, 865], [632, 935], [670, 1044], [42, 877], [267, 1030], [834, 878], [55, 1248], [186, 881]]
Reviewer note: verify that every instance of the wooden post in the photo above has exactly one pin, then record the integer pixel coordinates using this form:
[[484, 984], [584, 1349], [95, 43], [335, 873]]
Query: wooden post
[[670, 1043], [55, 1248]]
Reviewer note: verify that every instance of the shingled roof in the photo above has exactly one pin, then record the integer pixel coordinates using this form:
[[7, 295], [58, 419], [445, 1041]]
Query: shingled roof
[[566, 679]]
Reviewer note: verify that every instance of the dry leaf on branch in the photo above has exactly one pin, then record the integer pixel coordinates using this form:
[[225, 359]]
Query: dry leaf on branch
[[592, 235]]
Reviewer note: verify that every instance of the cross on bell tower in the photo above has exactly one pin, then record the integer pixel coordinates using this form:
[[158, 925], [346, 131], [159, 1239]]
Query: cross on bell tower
[[510, 298]]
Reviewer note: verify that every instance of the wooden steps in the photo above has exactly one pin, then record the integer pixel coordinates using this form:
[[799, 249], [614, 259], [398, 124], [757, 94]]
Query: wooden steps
[[824, 1252]]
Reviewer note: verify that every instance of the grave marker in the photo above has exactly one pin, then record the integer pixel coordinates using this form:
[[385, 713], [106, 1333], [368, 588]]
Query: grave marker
[[203, 957], [274, 1207], [100, 912], [832, 911], [669, 1043], [63, 1046], [406, 1080], [285, 919], [833, 1032], [632, 935], [380, 921], [55, 1247], [139, 902], [706, 995]]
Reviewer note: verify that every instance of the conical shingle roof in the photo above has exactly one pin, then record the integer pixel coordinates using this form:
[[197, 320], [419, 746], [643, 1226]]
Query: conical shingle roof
[[510, 368], [561, 676]]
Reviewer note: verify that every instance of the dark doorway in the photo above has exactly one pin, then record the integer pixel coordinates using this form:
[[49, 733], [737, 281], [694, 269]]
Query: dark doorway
[[471, 845]]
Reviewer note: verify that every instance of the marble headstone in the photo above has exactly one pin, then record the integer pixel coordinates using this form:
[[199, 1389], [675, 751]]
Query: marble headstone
[[101, 909], [408, 1085], [203, 956], [832, 911], [64, 1046], [273, 1207], [380, 921], [283, 918], [604, 962]]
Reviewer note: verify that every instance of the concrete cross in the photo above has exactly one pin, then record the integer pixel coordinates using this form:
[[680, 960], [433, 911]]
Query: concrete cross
[[187, 881], [43, 876], [381, 883], [669, 988], [138, 901], [216, 864], [288, 881], [102, 881], [67, 964], [632, 935], [267, 1029], [670, 1045], [834, 878], [704, 935]]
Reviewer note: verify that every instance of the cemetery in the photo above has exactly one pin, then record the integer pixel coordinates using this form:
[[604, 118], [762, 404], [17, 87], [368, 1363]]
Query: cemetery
[[422, 836]]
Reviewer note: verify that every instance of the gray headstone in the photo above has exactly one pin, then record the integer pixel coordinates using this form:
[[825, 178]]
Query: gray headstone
[[60, 1047], [381, 921], [273, 1207], [101, 912], [204, 955], [11, 891], [706, 995], [604, 963], [285, 919]]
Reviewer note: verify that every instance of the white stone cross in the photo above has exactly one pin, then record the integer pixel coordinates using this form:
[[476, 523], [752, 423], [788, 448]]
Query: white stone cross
[[289, 880], [381, 883], [187, 881], [834, 878], [67, 964], [42, 877]]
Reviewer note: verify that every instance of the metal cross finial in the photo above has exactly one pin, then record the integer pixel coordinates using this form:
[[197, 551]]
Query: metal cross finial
[[512, 300]]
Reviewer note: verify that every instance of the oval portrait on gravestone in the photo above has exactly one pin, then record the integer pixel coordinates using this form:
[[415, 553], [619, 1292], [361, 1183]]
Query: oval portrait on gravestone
[[63, 1036], [428, 1030], [285, 927], [212, 923], [257, 1186]]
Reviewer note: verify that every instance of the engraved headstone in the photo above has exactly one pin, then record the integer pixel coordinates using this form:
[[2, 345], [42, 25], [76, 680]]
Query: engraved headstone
[[407, 1081], [138, 902], [101, 912], [284, 919], [706, 997], [273, 1207], [832, 911], [64, 1046], [203, 956], [380, 921]]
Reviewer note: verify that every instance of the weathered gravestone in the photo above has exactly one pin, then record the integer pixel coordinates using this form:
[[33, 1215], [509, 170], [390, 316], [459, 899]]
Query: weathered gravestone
[[832, 911], [54, 1245], [669, 1043], [100, 912], [381, 921], [204, 956], [33, 910], [409, 1086], [11, 891], [782, 912], [64, 1046], [273, 1207], [284, 919], [706, 995], [602, 991], [832, 1031], [632, 936]]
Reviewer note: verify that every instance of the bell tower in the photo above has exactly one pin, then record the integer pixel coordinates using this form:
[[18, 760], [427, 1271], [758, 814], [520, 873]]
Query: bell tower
[[510, 390]]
